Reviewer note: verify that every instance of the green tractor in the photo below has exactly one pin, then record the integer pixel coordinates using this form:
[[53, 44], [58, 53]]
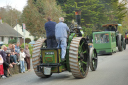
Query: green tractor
[[79, 55], [120, 40], [105, 42]]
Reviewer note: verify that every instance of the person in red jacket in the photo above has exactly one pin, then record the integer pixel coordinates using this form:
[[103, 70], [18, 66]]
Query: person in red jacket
[[1, 67]]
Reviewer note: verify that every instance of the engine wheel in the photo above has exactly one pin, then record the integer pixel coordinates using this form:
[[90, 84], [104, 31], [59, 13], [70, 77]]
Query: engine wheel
[[79, 57], [93, 59], [36, 58], [120, 43]]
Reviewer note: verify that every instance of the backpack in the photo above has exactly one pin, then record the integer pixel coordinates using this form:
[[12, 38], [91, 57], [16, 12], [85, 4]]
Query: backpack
[[1, 60]]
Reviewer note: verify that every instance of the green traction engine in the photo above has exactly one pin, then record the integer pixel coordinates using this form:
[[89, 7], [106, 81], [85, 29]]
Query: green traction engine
[[79, 55]]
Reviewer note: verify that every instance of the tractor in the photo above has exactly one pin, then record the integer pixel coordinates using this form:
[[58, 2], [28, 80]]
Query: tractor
[[106, 41], [79, 55], [126, 37]]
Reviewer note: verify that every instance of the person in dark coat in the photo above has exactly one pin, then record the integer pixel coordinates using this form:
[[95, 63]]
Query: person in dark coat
[[9, 60], [5, 64], [50, 31]]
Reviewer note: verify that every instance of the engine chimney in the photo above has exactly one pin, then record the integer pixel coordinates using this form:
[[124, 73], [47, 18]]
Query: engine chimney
[[78, 16]]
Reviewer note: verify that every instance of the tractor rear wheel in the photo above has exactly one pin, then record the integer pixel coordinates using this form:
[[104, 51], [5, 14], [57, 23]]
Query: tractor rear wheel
[[93, 59], [120, 42], [124, 43], [36, 58], [79, 57]]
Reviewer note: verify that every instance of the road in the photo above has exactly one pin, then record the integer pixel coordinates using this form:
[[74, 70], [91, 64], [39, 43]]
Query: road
[[112, 70]]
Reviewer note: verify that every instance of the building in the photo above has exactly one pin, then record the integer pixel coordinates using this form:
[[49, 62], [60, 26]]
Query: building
[[7, 33], [27, 34]]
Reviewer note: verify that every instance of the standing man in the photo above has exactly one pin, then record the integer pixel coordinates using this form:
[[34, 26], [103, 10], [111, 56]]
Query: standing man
[[50, 31], [61, 36]]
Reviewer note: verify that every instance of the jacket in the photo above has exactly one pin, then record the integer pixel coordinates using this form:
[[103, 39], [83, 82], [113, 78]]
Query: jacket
[[50, 29], [27, 53], [3, 54], [61, 30], [22, 56]]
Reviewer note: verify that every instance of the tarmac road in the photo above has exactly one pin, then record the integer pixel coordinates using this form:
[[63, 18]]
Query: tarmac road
[[112, 70]]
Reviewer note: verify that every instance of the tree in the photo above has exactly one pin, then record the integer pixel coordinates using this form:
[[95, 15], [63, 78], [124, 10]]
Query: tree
[[35, 15], [114, 10], [94, 12], [27, 40], [10, 15]]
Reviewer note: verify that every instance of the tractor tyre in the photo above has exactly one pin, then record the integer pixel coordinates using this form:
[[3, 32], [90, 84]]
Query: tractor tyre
[[79, 57], [93, 59], [120, 42], [36, 58], [124, 43]]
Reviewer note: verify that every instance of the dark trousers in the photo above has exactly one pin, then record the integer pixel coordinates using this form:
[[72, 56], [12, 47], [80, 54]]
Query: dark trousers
[[27, 59], [51, 42], [5, 69]]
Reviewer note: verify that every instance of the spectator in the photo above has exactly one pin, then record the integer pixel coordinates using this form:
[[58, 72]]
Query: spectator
[[13, 53], [1, 68], [0, 48], [22, 56], [9, 48], [17, 50], [10, 60], [27, 58], [5, 64]]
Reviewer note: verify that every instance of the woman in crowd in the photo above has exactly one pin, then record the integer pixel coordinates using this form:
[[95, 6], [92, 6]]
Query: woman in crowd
[[27, 58], [9, 60]]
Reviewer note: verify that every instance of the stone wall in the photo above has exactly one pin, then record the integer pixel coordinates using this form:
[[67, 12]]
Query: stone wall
[[15, 69]]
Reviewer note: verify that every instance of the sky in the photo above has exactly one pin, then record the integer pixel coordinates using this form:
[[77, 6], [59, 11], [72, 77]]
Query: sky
[[17, 4]]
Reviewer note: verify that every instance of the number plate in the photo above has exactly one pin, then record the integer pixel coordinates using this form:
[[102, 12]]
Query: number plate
[[47, 70]]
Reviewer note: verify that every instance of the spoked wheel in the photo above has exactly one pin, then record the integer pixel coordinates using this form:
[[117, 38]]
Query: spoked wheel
[[79, 57], [93, 59], [36, 60]]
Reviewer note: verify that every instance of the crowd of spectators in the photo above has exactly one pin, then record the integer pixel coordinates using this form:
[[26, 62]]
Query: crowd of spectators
[[11, 56]]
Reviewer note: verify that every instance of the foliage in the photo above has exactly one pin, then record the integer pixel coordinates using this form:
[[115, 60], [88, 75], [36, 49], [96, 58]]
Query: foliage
[[115, 11], [12, 41], [36, 39], [27, 40], [6, 45], [95, 12], [9, 15], [88, 32], [35, 15], [122, 30]]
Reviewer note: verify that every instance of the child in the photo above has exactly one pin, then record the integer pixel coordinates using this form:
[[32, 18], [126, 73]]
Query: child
[[22, 56], [1, 67], [9, 60]]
